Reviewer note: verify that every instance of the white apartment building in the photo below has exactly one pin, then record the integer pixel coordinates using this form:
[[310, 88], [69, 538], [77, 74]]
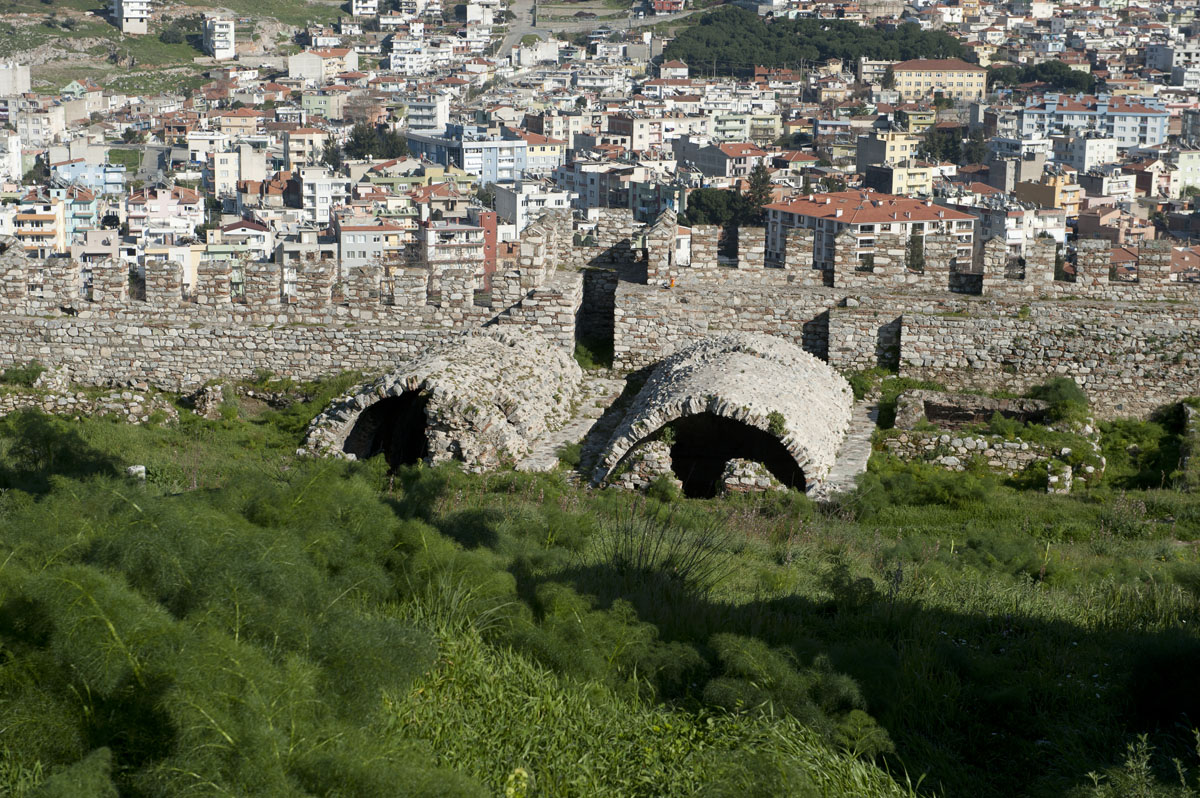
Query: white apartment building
[[202, 143], [429, 112], [226, 169], [321, 192], [219, 37], [10, 156], [522, 202], [131, 16], [41, 127], [1186, 76], [1110, 182], [1005, 147], [1131, 121], [364, 8], [1084, 152], [14, 79], [1018, 226], [410, 57], [867, 214], [1187, 165], [1165, 57], [451, 243], [164, 214]]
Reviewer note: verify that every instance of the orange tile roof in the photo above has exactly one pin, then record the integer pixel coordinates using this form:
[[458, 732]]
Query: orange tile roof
[[938, 65], [866, 207]]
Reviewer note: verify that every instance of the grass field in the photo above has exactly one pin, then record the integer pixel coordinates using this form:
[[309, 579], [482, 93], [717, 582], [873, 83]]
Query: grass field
[[246, 620], [132, 159]]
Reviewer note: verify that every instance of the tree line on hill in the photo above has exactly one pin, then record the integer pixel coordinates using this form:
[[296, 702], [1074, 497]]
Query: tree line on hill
[[1054, 73], [732, 41]]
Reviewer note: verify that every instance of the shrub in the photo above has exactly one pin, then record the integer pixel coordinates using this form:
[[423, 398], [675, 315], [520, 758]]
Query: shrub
[[1066, 399], [24, 375], [776, 424], [594, 353], [570, 454], [663, 489]]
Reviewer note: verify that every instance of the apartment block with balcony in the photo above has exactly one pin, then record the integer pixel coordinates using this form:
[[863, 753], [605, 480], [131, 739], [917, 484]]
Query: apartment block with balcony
[[219, 37], [317, 192], [522, 202], [164, 215], [40, 225], [885, 146], [867, 214], [908, 178], [1131, 122], [450, 243], [131, 16]]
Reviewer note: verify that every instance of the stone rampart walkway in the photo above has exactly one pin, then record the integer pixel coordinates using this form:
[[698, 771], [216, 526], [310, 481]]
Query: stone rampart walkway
[[854, 453], [596, 395]]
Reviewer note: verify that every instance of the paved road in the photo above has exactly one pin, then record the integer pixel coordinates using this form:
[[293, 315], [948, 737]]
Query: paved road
[[154, 163]]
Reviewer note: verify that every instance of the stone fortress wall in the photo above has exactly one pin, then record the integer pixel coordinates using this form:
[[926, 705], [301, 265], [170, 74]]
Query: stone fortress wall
[[991, 323], [241, 317]]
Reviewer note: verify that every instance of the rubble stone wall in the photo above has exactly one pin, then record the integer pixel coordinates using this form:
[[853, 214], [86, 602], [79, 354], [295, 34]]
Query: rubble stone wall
[[1130, 358]]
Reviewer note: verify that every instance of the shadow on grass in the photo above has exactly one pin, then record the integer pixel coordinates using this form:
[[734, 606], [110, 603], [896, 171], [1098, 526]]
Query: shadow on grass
[[983, 705]]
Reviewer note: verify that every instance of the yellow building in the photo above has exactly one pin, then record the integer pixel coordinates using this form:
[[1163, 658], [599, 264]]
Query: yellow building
[[1055, 190], [915, 119], [926, 78], [906, 179]]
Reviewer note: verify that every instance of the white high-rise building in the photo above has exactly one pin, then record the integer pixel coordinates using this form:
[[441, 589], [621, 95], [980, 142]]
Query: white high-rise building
[[131, 16], [219, 37], [14, 79], [364, 8]]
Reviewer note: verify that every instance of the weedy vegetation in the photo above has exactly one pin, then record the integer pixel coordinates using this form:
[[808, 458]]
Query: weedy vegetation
[[250, 622]]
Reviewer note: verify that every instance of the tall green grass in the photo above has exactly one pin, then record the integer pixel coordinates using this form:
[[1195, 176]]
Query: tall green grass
[[251, 622]]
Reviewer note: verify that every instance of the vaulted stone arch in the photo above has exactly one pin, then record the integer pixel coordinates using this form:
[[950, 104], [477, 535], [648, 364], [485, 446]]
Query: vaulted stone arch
[[740, 396], [480, 398]]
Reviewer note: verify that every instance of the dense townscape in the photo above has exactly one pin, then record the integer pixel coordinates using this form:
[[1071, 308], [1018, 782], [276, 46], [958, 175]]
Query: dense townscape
[[599, 398], [432, 134]]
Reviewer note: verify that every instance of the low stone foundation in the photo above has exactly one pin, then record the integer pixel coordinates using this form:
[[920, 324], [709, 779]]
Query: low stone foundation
[[53, 393], [925, 432]]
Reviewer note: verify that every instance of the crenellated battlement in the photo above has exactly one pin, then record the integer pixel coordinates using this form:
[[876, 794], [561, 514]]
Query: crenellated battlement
[[646, 288]]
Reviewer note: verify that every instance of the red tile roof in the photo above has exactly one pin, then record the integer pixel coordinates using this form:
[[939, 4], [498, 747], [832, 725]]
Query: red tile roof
[[866, 207]]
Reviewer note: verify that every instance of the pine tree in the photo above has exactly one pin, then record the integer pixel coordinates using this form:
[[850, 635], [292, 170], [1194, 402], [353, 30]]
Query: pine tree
[[759, 193]]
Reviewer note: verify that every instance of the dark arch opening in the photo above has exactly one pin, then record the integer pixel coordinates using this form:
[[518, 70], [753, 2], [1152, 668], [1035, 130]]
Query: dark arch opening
[[705, 442], [393, 427]]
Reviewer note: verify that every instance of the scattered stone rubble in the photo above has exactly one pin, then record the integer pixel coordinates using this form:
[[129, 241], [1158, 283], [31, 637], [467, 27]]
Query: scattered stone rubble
[[745, 476]]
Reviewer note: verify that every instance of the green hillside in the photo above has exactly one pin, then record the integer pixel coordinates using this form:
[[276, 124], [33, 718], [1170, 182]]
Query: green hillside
[[248, 622]]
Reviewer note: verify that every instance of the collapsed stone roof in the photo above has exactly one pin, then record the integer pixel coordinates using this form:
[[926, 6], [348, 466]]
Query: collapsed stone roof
[[488, 394], [746, 378]]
